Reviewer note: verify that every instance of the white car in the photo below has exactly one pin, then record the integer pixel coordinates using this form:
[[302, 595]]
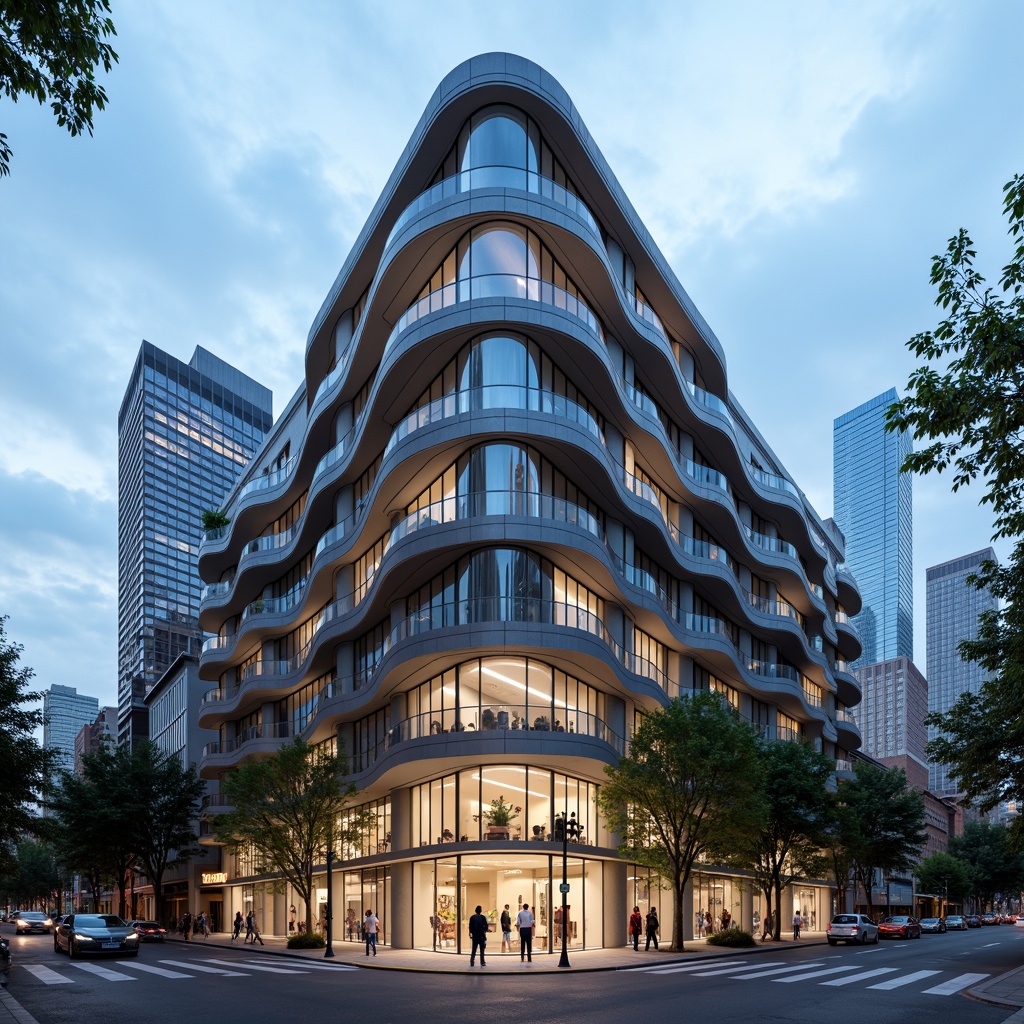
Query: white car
[[851, 928]]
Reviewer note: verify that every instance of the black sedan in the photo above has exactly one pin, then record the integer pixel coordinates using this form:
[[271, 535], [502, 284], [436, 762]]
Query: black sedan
[[95, 933], [150, 931], [32, 921]]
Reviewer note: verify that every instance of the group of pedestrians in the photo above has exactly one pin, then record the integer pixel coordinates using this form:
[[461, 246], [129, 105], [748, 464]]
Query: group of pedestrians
[[189, 925], [252, 931]]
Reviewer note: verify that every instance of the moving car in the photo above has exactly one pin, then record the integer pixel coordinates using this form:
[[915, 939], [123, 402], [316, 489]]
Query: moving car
[[956, 923], [32, 921], [990, 917], [149, 931], [851, 928], [973, 921], [899, 927], [95, 933], [933, 924]]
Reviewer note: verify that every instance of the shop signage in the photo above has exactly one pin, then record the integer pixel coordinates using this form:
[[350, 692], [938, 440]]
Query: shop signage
[[214, 877]]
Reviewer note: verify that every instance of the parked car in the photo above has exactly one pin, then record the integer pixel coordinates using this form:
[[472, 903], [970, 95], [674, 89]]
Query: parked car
[[990, 917], [1008, 919], [933, 924], [956, 923], [150, 931], [973, 920], [95, 933], [32, 921], [899, 927], [851, 928]]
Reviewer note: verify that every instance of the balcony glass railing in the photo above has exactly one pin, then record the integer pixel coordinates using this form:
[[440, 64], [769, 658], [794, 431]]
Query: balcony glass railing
[[268, 480], [212, 590], [776, 482], [774, 544], [706, 398], [773, 670], [646, 314], [495, 177]]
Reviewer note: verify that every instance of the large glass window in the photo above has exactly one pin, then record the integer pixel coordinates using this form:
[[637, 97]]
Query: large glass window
[[499, 137]]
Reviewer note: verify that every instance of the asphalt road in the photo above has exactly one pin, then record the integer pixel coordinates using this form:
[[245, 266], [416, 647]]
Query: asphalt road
[[894, 981]]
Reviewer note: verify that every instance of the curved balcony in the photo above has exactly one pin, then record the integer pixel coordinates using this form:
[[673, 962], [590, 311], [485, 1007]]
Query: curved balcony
[[847, 684], [256, 741], [847, 730], [848, 592], [847, 639], [779, 483], [496, 176]]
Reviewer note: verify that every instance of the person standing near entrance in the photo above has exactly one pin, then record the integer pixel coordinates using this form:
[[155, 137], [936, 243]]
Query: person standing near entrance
[[478, 933], [797, 922], [506, 930], [636, 926], [652, 929], [524, 922], [370, 926]]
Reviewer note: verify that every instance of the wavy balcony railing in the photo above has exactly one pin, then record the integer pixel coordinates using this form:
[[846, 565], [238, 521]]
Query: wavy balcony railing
[[776, 545], [710, 624], [215, 589], [812, 692], [782, 733], [705, 475], [707, 399], [646, 314], [773, 670], [839, 616], [778, 483], [276, 730], [845, 715], [268, 480], [497, 286], [495, 176], [772, 606], [274, 605]]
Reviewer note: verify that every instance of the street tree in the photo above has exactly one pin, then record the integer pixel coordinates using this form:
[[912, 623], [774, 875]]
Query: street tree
[[882, 822], [289, 810], [789, 843], [945, 875], [967, 404], [50, 51], [691, 785], [24, 764], [996, 867], [37, 879]]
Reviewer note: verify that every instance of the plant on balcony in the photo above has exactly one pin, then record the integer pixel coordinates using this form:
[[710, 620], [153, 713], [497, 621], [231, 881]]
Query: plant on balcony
[[501, 814], [213, 519]]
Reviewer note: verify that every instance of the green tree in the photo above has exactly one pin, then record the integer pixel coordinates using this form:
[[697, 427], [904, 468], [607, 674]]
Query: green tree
[[50, 50], [996, 868], [37, 879], [690, 785], [967, 403], [881, 822], [24, 764], [788, 845], [289, 810], [945, 875]]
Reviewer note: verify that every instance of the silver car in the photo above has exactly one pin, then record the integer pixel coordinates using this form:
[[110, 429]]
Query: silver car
[[851, 928], [95, 933]]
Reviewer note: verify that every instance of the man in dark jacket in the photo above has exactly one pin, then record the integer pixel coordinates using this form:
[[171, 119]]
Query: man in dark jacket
[[478, 933]]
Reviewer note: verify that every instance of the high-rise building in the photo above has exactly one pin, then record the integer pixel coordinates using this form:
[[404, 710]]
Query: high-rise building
[[96, 734], [873, 506], [894, 702], [952, 610], [185, 431], [512, 508], [65, 711]]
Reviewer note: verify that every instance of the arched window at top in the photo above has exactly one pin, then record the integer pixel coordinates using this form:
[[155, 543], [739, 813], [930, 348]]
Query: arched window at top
[[499, 136]]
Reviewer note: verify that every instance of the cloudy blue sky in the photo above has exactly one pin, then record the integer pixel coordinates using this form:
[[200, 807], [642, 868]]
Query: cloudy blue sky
[[798, 163]]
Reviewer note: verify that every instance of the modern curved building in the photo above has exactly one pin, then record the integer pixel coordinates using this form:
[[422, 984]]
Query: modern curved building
[[512, 508]]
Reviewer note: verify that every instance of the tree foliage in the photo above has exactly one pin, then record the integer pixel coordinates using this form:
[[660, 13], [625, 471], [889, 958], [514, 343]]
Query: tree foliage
[[879, 822], [996, 868], [967, 403], [789, 843], [35, 876], [50, 50], [289, 810], [23, 762], [690, 785], [944, 875]]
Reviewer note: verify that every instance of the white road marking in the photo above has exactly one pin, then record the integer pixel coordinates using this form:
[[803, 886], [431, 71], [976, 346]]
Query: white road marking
[[906, 979], [102, 972], [814, 974], [948, 988], [859, 977], [988, 945], [46, 976], [206, 970], [254, 967], [676, 969], [307, 966], [150, 969], [778, 970], [733, 970]]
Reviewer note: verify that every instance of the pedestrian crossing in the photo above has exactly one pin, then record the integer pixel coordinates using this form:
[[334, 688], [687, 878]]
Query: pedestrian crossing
[[176, 970], [817, 973]]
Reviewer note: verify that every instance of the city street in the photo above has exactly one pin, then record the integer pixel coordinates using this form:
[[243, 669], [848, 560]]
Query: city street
[[876, 984]]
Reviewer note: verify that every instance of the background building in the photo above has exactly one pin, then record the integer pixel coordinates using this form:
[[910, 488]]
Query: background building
[[95, 734], [952, 610], [873, 506], [185, 431], [65, 711]]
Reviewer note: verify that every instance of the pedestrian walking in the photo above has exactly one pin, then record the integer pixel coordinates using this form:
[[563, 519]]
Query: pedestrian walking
[[186, 925], [636, 926], [370, 925], [698, 924], [769, 926], [250, 927], [797, 922], [524, 922], [203, 925], [478, 935], [506, 930], [652, 929], [236, 928]]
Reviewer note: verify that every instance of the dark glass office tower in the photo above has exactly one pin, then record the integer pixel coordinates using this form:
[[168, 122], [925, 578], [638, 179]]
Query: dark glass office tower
[[873, 505], [185, 432]]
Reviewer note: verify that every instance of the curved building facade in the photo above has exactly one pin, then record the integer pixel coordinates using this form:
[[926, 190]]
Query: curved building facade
[[512, 508]]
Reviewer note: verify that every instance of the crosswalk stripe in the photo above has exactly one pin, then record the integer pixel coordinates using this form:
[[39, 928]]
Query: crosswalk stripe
[[778, 970], [951, 987], [859, 977], [690, 967], [46, 976], [733, 970], [255, 967], [102, 972], [307, 966], [150, 969], [814, 974], [206, 970], [906, 979]]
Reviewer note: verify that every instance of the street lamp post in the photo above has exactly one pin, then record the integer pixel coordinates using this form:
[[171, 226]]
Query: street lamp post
[[570, 829], [329, 951]]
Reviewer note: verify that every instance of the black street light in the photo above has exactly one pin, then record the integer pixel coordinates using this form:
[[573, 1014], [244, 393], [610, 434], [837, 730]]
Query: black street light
[[329, 951], [570, 829]]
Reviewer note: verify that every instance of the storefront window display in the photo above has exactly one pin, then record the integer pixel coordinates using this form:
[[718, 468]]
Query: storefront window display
[[369, 889]]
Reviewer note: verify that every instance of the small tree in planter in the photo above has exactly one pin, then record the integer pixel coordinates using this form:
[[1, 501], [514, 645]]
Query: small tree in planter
[[214, 519], [500, 817]]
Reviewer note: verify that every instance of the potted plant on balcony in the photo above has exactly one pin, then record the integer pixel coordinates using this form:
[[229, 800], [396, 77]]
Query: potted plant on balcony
[[500, 817], [214, 519]]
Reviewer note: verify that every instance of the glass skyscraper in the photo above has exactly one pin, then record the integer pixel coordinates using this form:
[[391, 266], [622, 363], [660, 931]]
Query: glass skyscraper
[[185, 432], [873, 505], [952, 610], [65, 711]]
